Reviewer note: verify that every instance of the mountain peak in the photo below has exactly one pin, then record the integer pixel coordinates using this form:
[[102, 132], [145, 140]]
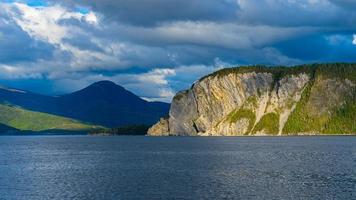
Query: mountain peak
[[105, 83], [106, 91]]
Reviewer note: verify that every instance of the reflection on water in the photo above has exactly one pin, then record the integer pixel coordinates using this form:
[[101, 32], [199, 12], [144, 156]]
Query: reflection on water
[[83, 167]]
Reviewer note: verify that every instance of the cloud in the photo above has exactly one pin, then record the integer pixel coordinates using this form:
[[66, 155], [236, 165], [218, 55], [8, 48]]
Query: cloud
[[219, 35], [43, 24], [154, 12], [158, 47], [347, 4], [14, 72], [18, 46], [336, 14], [152, 85]]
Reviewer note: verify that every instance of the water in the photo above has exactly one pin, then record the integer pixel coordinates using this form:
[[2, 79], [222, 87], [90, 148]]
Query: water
[[84, 167]]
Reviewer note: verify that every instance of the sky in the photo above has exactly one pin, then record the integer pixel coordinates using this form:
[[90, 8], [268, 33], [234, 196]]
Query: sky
[[155, 48]]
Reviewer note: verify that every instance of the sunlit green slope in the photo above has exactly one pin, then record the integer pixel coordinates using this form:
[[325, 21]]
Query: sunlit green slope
[[26, 120]]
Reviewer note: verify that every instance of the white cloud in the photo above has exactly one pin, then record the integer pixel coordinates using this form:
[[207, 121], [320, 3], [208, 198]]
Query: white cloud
[[165, 95], [153, 85], [44, 24], [354, 41], [92, 18], [8, 72], [157, 76]]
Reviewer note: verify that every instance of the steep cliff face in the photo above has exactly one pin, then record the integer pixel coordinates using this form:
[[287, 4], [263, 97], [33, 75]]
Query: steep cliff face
[[259, 100]]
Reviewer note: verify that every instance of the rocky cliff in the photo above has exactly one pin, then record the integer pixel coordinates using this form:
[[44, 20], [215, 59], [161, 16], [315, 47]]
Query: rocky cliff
[[259, 100]]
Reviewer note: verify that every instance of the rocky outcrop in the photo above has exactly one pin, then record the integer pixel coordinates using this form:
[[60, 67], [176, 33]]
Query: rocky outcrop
[[161, 128], [261, 101]]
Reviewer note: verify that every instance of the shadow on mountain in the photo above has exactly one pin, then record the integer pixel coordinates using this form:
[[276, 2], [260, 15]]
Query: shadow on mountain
[[104, 103]]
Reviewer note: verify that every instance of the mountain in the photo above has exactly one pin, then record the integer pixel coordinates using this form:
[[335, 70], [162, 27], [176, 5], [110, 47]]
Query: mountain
[[109, 104], [26, 99], [4, 129], [259, 100], [104, 103]]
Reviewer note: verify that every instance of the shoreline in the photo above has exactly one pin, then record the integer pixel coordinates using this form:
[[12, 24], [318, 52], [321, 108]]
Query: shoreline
[[203, 136], [256, 136]]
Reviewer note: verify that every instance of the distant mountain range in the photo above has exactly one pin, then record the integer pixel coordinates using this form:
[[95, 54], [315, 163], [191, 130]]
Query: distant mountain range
[[103, 103]]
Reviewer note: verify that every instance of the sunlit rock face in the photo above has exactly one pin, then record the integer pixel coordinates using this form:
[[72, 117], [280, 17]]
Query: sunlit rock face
[[161, 128], [263, 101]]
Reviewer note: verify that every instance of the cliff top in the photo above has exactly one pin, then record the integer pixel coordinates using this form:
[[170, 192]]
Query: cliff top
[[339, 70]]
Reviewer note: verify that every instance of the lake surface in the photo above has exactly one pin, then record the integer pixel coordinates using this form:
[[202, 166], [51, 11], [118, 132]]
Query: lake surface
[[84, 167]]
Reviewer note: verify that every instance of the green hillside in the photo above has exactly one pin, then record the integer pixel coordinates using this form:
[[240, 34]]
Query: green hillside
[[328, 102], [26, 120]]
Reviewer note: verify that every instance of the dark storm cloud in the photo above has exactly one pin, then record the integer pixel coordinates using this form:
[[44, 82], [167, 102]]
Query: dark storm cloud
[[316, 13], [250, 12], [348, 4]]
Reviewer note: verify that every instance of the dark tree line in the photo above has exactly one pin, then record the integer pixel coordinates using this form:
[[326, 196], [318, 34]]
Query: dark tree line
[[124, 130]]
